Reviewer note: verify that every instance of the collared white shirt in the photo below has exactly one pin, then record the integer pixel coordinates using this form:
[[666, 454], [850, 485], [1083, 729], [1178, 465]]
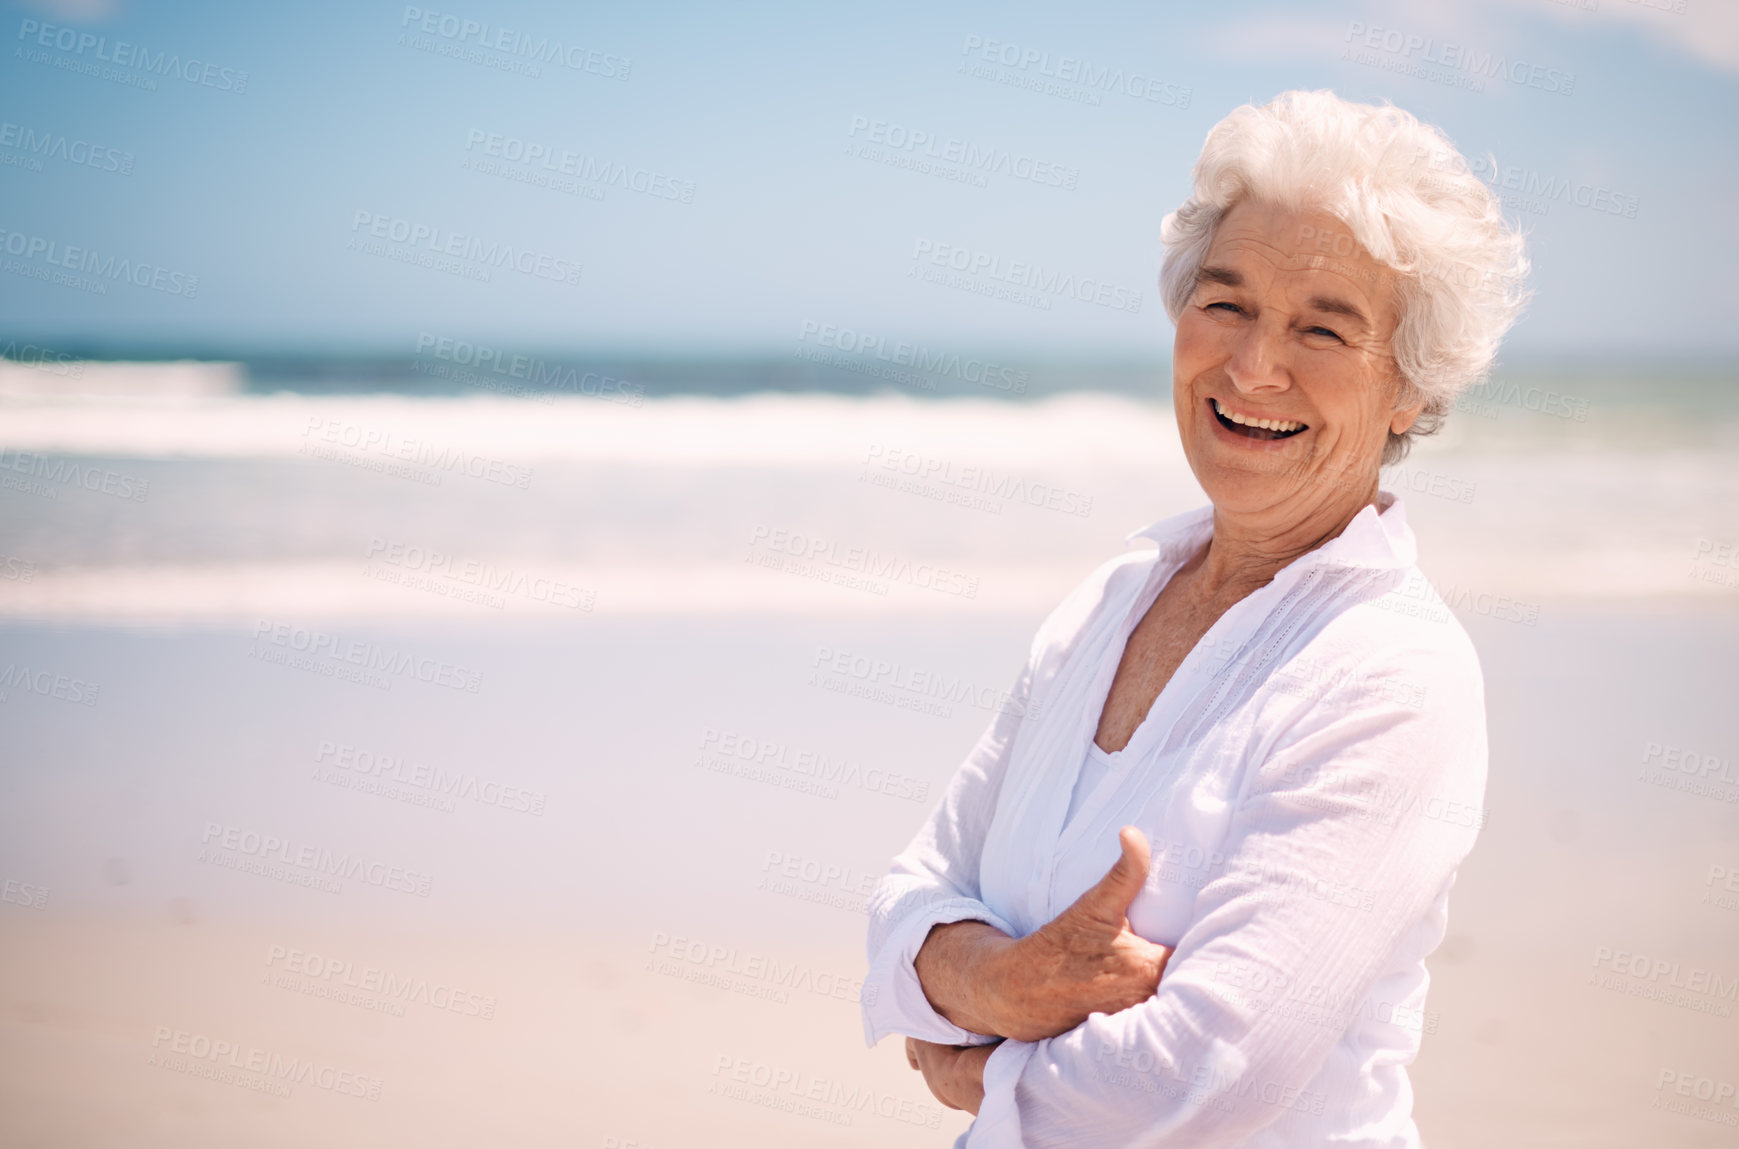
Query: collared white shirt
[[1310, 778]]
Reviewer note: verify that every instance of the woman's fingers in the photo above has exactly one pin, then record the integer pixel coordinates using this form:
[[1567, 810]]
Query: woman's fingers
[[1164, 959], [1086, 960], [934, 1062], [1108, 900]]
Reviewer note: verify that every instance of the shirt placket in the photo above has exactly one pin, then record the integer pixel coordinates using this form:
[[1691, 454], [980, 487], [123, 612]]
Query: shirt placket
[[1142, 758]]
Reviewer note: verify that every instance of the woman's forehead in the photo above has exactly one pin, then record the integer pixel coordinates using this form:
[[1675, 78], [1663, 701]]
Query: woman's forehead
[[1291, 236], [1266, 248], [1312, 227]]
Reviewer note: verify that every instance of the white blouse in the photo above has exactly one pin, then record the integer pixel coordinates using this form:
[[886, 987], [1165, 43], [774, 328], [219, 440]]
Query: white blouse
[[1095, 766], [1310, 779]]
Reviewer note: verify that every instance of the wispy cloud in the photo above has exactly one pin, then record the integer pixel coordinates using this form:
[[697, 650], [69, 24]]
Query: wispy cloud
[[1706, 31]]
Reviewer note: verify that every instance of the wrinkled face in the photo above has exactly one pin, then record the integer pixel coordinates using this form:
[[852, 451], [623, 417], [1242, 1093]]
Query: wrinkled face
[[1282, 374]]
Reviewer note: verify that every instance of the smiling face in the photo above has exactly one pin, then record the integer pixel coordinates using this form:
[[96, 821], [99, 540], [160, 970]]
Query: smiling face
[[1282, 375]]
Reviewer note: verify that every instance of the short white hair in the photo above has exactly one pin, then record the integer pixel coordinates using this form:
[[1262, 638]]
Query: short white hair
[[1409, 199]]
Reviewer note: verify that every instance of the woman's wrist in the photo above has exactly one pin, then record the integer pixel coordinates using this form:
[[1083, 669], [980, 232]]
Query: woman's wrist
[[958, 970], [968, 1086]]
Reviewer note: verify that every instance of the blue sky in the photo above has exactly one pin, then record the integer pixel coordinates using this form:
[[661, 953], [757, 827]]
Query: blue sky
[[729, 178]]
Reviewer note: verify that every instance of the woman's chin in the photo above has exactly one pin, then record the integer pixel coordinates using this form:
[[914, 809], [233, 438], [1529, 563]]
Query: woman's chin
[[1236, 481], [1240, 498], [1234, 487]]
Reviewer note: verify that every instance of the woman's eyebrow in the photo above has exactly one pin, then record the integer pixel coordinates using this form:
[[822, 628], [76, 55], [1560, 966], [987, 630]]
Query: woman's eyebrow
[[1335, 306], [1224, 276]]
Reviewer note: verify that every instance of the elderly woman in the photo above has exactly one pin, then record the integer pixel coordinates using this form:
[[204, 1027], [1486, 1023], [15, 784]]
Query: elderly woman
[[1182, 890]]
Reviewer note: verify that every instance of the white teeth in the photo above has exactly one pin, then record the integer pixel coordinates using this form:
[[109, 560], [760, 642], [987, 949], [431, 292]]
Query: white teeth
[[1265, 424]]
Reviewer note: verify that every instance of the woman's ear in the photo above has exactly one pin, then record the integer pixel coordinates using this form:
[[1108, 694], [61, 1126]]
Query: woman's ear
[[1405, 417], [1409, 405]]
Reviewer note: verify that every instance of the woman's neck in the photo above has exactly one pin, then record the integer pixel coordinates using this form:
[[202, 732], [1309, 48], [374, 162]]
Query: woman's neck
[[1246, 552]]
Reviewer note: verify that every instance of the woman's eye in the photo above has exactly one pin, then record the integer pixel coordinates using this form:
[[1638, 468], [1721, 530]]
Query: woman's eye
[[1232, 307], [1321, 331]]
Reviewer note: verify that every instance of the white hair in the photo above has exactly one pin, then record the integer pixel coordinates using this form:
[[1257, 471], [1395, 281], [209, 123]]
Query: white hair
[[1409, 199]]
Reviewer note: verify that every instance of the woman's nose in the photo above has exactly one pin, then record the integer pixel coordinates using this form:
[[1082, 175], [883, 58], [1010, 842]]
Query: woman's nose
[[1258, 361]]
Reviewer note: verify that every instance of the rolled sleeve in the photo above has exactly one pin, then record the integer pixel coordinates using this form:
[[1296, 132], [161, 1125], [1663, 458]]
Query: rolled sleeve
[[935, 882], [894, 1000]]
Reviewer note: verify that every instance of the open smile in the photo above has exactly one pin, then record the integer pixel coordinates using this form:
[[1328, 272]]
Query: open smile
[[1255, 427]]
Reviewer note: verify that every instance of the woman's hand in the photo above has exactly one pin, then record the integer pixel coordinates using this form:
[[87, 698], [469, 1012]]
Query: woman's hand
[[954, 1073], [1086, 960]]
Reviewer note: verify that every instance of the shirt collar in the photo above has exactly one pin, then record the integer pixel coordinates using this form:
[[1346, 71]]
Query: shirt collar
[[1380, 540]]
